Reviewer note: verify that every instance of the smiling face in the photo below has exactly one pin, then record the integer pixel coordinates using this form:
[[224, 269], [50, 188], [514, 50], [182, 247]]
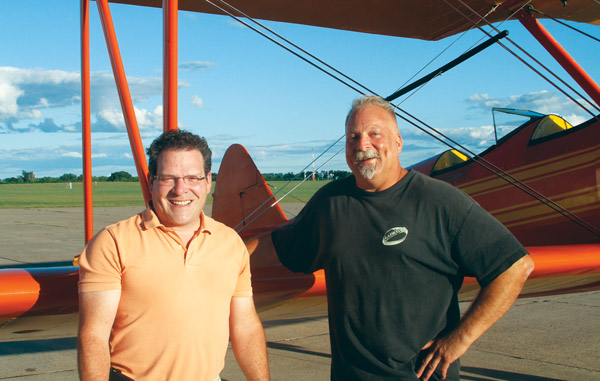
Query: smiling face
[[373, 144], [178, 206]]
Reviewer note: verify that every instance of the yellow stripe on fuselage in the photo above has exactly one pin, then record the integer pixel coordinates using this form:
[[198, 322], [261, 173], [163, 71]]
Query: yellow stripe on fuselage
[[544, 169], [576, 201]]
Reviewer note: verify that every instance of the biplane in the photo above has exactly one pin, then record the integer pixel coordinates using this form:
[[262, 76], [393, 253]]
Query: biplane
[[561, 160]]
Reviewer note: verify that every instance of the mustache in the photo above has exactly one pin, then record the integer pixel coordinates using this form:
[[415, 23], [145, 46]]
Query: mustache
[[360, 156]]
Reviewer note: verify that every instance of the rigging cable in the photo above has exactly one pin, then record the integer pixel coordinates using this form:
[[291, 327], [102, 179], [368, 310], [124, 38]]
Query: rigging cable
[[480, 160], [530, 57], [545, 200], [532, 9], [457, 61], [290, 43], [524, 187], [277, 201], [435, 58], [510, 179]]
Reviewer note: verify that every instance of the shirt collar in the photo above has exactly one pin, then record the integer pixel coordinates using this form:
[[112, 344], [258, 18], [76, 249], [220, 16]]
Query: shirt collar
[[150, 221]]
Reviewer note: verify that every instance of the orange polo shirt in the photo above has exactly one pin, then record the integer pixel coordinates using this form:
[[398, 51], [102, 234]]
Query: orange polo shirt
[[172, 322]]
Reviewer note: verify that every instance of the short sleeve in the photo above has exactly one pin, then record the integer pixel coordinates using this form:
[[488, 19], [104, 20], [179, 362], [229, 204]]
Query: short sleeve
[[297, 243], [243, 287], [483, 247], [99, 264]]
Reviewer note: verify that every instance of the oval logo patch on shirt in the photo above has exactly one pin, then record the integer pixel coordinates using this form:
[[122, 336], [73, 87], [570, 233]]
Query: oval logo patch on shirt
[[394, 236]]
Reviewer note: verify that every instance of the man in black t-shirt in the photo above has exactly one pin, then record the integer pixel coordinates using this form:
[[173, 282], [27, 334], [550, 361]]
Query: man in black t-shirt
[[395, 246]]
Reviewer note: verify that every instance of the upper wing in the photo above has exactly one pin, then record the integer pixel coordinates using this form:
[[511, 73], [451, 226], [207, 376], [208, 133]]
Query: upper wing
[[423, 19]]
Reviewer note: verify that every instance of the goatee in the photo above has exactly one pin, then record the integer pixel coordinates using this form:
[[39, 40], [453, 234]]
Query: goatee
[[367, 171]]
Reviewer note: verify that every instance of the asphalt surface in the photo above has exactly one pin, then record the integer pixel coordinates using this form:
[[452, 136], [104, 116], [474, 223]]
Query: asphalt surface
[[546, 338]]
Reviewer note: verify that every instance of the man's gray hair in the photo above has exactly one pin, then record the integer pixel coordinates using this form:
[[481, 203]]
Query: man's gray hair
[[370, 100]]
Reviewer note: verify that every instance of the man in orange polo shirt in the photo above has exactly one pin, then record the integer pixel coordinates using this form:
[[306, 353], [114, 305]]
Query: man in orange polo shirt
[[161, 292]]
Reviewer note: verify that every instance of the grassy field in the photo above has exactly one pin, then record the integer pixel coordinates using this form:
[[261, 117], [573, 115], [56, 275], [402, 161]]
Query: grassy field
[[19, 196]]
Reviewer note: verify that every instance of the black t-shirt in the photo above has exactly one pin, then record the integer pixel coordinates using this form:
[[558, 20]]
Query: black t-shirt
[[394, 261]]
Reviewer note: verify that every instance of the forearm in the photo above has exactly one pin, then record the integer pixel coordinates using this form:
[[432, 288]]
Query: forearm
[[96, 316], [493, 301], [93, 358], [250, 351], [490, 305]]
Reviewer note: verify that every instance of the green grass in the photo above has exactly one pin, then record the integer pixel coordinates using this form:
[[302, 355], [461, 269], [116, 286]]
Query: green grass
[[301, 194], [24, 196], [59, 195]]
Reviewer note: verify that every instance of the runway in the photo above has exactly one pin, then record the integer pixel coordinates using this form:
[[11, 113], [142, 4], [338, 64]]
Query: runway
[[546, 338]]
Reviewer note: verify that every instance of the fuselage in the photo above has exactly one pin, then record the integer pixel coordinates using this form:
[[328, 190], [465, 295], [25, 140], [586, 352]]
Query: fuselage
[[564, 167]]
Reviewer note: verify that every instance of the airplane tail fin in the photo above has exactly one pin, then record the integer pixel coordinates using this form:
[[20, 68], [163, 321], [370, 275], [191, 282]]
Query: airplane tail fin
[[242, 197]]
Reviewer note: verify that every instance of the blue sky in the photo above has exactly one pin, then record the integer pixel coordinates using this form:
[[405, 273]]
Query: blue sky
[[237, 87]]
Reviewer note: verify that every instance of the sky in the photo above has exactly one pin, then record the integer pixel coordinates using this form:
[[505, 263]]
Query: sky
[[237, 87]]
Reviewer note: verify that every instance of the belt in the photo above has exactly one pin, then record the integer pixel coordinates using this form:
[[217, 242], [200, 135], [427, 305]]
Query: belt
[[116, 375]]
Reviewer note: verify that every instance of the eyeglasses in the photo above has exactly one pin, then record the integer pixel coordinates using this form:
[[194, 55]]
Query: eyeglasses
[[172, 180]]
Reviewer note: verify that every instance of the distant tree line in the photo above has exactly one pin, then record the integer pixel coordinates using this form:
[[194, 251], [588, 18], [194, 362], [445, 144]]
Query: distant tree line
[[319, 175], [29, 177]]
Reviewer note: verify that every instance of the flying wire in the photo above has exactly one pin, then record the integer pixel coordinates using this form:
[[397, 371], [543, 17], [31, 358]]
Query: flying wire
[[529, 56], [434, 59], [286, 184], [245, 221], [288, 42], [423, 126], [532, 9]]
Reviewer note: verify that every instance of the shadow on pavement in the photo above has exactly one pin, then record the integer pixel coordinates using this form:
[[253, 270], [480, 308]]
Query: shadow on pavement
[[494, 374]]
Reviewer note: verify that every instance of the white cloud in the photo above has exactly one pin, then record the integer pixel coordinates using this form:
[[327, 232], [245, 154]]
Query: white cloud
[[473, 134], [44, 102], [235, 23], [197, 101], [8, 98], [151, 120], [23, 91], [34, 114], [196, 65], [575, 119], [104, 91], [71, 154], [58, 155], [484, 101], [261, 155], [146, 120], [112, 116], [544, 102], [49, 101]]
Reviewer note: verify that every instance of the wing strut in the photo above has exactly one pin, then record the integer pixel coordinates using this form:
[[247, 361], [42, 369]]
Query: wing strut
[[86, 127], [463, 57], [170, 8], [133, 131], [560, 54]]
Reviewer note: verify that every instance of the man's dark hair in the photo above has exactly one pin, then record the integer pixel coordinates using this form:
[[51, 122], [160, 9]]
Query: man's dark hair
[[178, 140]]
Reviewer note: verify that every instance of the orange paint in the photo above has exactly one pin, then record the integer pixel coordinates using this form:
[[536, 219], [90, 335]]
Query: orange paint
[[18, 292]]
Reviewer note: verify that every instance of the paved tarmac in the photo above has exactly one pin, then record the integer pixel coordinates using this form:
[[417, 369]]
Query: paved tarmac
[[546, 338]]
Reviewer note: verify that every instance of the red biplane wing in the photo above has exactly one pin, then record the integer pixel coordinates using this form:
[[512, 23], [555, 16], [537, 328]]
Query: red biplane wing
[[423, 19], [40, 303]]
